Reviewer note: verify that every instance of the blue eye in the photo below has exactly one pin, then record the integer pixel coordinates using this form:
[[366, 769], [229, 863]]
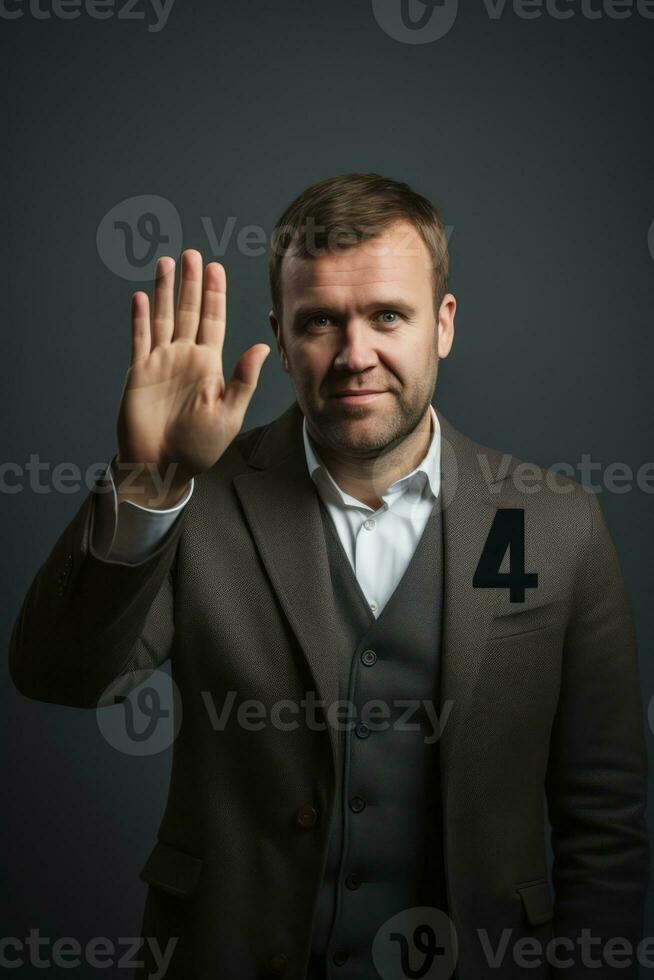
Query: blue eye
[[321, 321], [319, 317]]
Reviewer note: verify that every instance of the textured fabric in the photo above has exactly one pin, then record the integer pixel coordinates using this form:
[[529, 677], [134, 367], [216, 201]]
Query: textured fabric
[[394, 840], [134, 532], [544, 694], [379, 543], [378, 554]]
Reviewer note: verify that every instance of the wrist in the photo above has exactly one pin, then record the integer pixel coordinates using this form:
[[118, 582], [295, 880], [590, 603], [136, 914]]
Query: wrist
[[148, 485]]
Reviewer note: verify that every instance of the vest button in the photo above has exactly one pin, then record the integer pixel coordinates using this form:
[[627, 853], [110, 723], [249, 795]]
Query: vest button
[[340, 958], [306, 816], [362, 730], [357, 804], [353, 881], [278, 964], [368, 657]]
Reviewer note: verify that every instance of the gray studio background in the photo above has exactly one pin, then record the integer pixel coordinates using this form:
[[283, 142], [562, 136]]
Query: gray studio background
[[532, 134]]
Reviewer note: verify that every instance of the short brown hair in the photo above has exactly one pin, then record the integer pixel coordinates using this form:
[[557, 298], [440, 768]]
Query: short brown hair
[[343, 211]]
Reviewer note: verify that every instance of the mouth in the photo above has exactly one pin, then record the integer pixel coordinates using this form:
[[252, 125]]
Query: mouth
[[357, 397]]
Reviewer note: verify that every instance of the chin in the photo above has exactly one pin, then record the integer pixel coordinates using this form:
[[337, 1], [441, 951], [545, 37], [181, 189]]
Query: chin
[[364, 436]]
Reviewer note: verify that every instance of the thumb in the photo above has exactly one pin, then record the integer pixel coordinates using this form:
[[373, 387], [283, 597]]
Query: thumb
[[244, 379]]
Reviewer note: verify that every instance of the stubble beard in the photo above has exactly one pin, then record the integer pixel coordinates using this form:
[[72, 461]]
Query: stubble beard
[[386, 428]]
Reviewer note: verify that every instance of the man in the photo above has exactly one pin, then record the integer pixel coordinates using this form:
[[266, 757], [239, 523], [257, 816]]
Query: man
[[434, 651]]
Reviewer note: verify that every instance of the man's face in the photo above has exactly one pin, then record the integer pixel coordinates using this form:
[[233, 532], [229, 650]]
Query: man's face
[[363, 320]]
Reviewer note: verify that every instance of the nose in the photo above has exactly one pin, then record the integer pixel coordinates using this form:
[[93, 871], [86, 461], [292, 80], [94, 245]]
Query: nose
[[357, 351]]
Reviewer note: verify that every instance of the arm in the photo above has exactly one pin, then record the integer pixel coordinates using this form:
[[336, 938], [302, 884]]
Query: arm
[[127, 532], [86, 620], [597, 772]]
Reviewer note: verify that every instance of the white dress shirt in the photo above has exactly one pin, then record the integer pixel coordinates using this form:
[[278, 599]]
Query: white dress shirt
[[378, 543]]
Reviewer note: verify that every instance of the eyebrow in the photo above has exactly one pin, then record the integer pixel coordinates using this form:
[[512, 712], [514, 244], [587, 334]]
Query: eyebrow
[[386, 303]]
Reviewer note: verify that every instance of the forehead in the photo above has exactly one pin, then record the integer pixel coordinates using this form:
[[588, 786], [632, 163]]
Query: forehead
[[398, 257]]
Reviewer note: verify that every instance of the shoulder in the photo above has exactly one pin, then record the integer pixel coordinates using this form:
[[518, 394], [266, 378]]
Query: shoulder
[[247, 440], [549, 494]]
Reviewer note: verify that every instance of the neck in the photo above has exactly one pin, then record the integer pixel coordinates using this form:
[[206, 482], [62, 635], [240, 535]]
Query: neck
[[368, 479]]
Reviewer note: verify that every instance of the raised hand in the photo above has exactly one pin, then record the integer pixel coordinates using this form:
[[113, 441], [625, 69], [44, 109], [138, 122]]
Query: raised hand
[[177, 415]]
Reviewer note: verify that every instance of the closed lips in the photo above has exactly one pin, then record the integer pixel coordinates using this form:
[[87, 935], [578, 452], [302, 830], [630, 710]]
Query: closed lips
[[366, 391]]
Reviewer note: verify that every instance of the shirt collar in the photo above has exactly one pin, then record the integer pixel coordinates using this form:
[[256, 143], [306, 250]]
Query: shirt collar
[[430, 466]]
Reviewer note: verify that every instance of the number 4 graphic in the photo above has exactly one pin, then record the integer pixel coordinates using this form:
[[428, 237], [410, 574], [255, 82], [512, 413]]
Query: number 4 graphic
[[507, 531]]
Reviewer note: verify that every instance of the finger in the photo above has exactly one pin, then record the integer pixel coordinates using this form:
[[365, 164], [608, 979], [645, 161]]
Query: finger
[[189, 299], [214, 307], [140, 326], [163, 321], [243, 381]]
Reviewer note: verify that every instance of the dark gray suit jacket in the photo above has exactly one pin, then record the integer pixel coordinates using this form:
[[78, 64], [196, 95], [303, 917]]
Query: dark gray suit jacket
[[545, 707]]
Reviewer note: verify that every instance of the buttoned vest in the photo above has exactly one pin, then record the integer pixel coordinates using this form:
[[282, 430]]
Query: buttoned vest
[[385, 846]]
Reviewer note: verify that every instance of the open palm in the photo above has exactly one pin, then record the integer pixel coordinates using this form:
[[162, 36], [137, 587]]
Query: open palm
[[176, 409]]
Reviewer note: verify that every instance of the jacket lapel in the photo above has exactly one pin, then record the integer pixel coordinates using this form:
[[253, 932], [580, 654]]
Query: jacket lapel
[[281, 507], [470, 499], [280, 503]]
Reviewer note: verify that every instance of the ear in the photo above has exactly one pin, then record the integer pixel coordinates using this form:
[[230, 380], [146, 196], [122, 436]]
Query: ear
[[446, 324], [277, 330]]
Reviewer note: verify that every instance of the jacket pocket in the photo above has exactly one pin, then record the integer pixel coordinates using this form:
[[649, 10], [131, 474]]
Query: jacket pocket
[[526, 620], [172, 870], [537, 901]]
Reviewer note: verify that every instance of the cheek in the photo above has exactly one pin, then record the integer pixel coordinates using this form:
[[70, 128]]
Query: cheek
[[410, 360], [400, 358], [312, 360]]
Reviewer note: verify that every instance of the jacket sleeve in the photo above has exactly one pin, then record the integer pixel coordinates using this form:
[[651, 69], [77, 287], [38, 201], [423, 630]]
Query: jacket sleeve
[[597, 772], [134, 532], [87, 623]]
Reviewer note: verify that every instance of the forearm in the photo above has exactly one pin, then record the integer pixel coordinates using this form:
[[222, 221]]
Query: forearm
[[82, 615]]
